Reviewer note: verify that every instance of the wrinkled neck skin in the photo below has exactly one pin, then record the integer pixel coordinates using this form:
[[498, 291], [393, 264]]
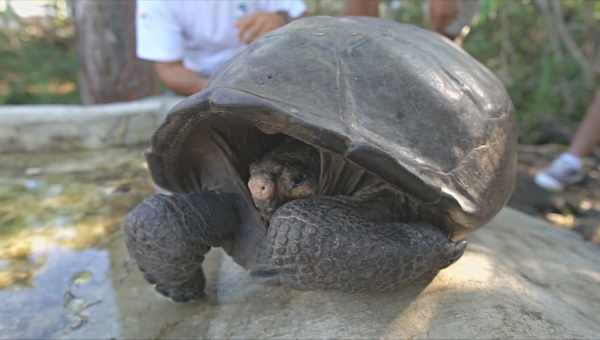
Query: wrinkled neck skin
[[288, 172], [295, 170]]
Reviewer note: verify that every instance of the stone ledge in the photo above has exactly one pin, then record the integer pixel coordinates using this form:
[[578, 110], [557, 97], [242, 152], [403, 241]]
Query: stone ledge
[[519, 279], [68, 127]]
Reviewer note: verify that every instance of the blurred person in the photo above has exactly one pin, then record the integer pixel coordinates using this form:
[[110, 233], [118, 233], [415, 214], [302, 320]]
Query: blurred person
[[189, 40], [567, 169], [452, 18], [441, 14], [367, 8]]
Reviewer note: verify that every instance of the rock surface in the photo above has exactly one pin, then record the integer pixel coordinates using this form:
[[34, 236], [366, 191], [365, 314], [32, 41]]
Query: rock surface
[[519, 279]]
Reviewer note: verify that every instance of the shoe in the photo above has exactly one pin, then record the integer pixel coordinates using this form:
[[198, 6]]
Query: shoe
[[562, 172]]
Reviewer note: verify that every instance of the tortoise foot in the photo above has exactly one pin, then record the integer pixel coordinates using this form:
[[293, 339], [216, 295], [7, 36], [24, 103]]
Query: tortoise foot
[[192, 289], [185, 292], [168, 237]]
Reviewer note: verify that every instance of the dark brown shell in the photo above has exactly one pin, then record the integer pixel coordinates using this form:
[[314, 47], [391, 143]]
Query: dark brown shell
[[402, 102]]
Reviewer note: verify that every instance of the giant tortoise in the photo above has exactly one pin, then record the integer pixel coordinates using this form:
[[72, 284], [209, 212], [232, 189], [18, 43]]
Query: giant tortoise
[[333, 153]]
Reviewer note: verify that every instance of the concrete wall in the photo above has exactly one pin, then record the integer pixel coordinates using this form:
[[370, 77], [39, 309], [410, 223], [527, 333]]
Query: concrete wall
[[66, 127]]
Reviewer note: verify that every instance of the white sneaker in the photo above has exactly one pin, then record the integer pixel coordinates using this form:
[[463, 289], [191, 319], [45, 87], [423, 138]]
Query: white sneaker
[[563, 171]]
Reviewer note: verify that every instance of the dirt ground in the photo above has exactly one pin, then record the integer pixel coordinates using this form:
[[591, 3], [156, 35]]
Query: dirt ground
[[577, 208]]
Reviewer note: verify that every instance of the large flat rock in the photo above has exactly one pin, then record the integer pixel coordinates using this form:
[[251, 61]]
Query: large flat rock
[[520, 278]]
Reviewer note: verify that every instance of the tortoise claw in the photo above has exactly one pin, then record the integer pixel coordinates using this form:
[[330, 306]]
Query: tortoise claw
[[454, 251], [184, 293]]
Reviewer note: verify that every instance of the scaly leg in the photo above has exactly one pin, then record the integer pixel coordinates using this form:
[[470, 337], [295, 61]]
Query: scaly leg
[[168, 237], [323, 243]]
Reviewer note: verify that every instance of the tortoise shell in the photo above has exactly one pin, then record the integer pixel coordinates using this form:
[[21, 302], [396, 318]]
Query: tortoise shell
[[401, 102]]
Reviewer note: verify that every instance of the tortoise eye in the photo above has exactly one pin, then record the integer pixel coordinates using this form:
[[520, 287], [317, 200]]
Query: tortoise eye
[[298, 179]]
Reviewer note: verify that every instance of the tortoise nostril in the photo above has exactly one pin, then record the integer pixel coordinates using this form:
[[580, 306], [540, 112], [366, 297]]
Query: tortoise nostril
[[261, 188]]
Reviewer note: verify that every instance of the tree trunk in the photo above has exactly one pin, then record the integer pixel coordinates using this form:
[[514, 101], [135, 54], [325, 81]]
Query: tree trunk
[[109, 68]]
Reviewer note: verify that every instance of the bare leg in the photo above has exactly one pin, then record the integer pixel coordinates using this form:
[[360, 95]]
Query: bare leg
[[588, 132], [442, 13], [366, 8], [568, 168]]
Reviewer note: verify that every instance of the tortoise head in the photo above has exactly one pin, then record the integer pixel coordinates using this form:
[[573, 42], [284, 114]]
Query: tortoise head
[[289, 172]]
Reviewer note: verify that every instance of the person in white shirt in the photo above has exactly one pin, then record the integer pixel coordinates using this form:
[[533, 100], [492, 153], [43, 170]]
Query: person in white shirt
[[189, 40]]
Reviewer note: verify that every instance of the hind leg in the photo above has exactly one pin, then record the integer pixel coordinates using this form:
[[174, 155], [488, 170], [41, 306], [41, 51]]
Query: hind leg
[[168, 237], [324, 244]]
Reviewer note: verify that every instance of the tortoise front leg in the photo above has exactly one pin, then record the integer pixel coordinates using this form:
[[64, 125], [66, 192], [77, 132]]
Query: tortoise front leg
[[323, 243], [168, 237]]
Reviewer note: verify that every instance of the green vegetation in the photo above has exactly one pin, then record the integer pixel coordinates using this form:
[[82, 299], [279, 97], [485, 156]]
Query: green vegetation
[[548, 57], [38, 61]]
